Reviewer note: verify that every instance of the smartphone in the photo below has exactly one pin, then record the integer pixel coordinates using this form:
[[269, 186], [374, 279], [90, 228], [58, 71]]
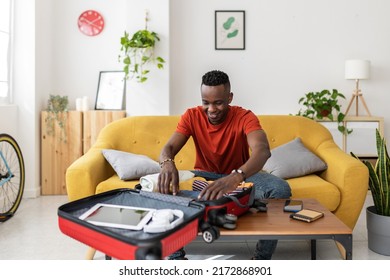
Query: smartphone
[[293, 205]]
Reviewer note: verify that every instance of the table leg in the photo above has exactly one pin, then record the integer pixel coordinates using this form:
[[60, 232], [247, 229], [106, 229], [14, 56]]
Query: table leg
[[346, 241], [313, 245]]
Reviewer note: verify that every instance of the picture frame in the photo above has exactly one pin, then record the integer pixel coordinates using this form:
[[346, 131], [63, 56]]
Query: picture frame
[[230, 30], [111, 91]]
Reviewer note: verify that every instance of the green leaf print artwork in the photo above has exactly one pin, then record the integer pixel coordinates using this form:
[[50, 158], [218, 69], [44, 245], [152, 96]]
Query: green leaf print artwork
[[227, 25], [229, 30]]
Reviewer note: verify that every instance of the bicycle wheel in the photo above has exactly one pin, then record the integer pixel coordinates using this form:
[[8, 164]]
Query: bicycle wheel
[[12, 176]]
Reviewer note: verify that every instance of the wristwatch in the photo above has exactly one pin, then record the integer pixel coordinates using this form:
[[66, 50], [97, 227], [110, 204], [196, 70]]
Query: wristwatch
[[241, 172]]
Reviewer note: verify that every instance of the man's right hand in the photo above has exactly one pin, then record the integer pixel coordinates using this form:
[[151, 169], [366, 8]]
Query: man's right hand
[[168, 180]]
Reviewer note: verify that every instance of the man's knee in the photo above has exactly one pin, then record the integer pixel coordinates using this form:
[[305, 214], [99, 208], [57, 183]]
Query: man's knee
[[280, 189], [285, 190]]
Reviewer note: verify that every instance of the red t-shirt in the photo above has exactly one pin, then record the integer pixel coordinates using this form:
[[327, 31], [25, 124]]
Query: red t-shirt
[[219, 148]]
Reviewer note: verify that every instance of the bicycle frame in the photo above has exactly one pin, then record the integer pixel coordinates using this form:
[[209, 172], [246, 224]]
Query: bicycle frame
[[9, 174]]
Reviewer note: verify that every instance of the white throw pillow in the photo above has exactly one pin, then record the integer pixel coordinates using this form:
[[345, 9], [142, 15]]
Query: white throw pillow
[[292, 160], [130, 166]]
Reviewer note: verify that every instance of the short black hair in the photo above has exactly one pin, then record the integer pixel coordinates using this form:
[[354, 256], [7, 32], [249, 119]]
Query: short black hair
[[216, 78]]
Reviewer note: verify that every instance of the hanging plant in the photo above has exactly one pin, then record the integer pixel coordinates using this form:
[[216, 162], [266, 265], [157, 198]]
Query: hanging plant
[[137, 52], [324, 105], [57, 106]]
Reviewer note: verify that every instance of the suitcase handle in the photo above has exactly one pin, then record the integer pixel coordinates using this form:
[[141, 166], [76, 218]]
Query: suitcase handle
[[250, 201]]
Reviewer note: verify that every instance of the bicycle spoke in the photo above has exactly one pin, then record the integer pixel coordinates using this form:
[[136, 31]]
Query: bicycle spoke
[[12, 176]]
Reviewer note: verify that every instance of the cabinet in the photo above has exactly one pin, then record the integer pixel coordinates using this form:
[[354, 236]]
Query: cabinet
[[82, 129], [94, 121], [362, 140]]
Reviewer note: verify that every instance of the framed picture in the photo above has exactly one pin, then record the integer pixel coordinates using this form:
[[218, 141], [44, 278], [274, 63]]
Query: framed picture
[[230, 30], [111, 91]]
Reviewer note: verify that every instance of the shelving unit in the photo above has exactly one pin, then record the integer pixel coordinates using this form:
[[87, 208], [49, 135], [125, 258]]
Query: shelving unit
[[362, 141], [82, 129]]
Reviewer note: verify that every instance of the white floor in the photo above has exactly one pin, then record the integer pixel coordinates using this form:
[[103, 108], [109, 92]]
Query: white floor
[[33, 234]]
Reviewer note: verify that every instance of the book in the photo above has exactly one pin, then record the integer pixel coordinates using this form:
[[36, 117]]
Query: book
[[307, 215]]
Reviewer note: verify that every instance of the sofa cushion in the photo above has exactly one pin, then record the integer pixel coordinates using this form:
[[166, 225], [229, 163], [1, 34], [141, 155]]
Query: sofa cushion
[[114, 182], [292, 160], [130, 166], [313, 186]]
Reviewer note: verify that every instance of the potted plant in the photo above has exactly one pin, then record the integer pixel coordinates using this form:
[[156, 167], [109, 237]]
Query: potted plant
[[378, 215], [137, 51], [324, 104], [56, 107]]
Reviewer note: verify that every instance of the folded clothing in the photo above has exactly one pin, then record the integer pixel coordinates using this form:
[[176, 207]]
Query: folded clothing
[[149, 182]]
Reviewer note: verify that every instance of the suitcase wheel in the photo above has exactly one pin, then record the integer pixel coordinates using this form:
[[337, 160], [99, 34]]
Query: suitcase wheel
[[229, 225], [148, 253], [231, 217], [210, 234]]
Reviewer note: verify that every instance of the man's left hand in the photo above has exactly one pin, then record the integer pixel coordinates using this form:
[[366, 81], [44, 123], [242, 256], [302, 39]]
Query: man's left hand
[[220, 187]]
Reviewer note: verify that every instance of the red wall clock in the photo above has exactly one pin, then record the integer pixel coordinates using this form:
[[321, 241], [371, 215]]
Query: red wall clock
[[91, 23]]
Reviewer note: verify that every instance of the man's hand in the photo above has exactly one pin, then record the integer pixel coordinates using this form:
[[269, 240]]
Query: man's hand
[[220, 187], [169, 176]]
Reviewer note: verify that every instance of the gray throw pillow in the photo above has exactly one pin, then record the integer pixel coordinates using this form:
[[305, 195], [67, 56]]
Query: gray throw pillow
[[130, 166], [292, 160]]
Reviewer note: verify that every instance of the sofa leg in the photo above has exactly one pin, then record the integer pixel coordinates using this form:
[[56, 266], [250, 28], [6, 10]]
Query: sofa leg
[[90, 253], [342, 250]]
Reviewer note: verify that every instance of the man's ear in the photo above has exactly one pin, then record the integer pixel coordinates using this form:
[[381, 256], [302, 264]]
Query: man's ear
[[230, 97]]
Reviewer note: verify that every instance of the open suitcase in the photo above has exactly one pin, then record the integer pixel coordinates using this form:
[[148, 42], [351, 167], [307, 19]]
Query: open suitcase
[[132, 244], [222, 212]]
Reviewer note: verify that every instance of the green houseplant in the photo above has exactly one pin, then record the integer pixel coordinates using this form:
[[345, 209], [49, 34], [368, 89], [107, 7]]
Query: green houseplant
[[324, 104], [378, 215], [137, 51], [379, 179], [57, 106]]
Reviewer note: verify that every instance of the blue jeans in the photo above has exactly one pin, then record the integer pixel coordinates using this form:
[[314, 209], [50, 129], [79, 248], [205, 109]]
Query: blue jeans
[[266, 186]]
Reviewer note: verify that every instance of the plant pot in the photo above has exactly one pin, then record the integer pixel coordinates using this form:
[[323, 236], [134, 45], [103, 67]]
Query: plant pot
[[324, 113], [378, 232]]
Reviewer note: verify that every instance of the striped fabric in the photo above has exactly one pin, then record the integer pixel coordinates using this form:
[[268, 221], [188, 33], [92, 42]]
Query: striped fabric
[[199, 185]]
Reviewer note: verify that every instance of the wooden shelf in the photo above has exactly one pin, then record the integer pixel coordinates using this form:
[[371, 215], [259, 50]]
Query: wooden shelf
[[362, 140], [82, 129], [57, 154], [94, 121]]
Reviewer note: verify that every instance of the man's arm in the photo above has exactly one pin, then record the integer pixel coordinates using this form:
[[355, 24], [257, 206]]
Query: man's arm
[[169, 173], [260, 152], [258, 143]]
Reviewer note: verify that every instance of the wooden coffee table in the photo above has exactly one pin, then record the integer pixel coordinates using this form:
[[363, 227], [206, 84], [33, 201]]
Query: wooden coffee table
[[277, 224]]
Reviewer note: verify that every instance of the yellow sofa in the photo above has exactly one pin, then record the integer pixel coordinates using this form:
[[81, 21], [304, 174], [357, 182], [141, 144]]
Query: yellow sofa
[[342, 187]]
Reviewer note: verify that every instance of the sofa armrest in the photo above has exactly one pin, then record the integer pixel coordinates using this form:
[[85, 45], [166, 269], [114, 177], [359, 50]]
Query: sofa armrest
[[351, 178], [84, 174]]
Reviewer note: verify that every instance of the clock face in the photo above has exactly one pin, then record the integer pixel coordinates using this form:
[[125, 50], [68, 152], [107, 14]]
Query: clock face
[[91, 23]]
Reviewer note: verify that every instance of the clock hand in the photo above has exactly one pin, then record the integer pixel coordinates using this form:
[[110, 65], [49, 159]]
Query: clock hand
[[92, 22], [95, 19]]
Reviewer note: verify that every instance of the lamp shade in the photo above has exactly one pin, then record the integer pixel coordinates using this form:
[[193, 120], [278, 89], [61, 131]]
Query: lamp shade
[[356, 69]]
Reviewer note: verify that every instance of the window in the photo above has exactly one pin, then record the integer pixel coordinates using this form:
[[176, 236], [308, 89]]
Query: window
[[5, 49]]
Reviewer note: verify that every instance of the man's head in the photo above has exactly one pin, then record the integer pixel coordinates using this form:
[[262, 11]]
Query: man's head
[[216, 95]]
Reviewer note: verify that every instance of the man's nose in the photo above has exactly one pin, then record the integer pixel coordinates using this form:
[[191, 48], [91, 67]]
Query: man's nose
[[212, 108]]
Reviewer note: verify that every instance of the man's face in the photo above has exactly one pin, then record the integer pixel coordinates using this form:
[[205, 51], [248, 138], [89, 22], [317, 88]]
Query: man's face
[[215, 101]]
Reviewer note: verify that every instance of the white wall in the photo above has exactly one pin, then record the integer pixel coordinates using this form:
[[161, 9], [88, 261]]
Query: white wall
[[152, 97], [292, 47], [71, 61], [25, 96]]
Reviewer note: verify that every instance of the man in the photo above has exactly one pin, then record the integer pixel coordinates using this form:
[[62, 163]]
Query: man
[[223, 135]]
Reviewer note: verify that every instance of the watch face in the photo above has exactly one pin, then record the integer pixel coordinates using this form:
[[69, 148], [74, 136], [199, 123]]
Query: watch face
[[91, 23]]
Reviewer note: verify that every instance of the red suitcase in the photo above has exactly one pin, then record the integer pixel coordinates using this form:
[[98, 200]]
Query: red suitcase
[[132, 244], [222, 212]]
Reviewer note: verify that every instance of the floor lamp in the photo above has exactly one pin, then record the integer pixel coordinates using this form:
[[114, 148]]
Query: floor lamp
[[357, 70]]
